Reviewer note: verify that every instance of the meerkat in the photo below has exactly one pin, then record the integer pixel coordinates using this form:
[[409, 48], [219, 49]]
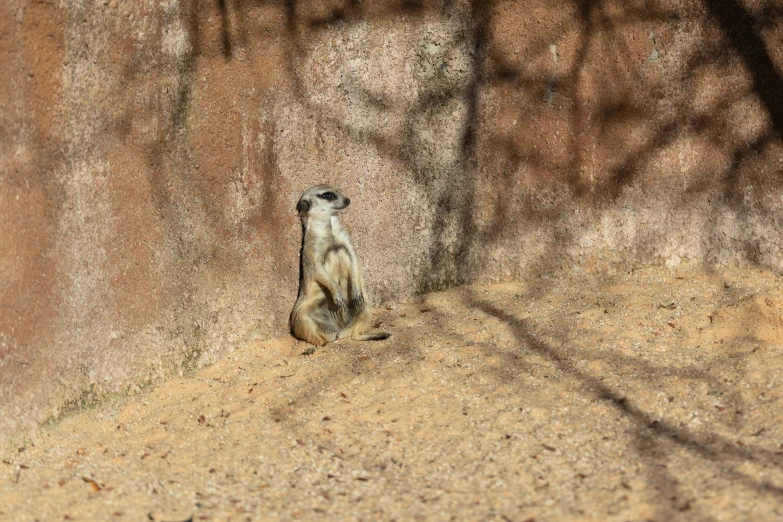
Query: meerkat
[[331, 303]]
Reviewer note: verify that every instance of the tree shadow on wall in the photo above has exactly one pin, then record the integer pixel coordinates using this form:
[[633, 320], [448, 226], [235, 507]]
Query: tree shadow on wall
[[584, 103], [599, 76], [631, 128], [581, 69], [704, 115]]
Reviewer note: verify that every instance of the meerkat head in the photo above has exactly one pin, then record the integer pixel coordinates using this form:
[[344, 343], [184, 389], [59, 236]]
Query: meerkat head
[[321, 201]]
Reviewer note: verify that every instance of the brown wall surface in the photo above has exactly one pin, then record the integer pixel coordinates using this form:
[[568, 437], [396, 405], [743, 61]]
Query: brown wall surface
[[152, 153]]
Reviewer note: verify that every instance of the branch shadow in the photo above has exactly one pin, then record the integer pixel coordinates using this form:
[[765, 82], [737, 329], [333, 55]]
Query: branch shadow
[[651, 434], [742, 30], [522, 168]]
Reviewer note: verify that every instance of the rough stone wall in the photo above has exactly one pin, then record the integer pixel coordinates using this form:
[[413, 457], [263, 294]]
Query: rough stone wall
[[152, 152]]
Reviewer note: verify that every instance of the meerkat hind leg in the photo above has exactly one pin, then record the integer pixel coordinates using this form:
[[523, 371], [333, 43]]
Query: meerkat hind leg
[[312, 327]]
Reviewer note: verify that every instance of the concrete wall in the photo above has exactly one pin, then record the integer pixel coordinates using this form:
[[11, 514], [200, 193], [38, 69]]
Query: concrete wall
[[152, 153]]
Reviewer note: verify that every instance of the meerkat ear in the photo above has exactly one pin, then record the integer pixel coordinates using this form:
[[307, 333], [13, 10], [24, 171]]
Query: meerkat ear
[[303, 206]]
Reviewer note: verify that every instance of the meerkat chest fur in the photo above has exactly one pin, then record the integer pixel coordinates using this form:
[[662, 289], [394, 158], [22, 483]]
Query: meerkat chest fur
[[339, 234], [337, 256], [328, 247]]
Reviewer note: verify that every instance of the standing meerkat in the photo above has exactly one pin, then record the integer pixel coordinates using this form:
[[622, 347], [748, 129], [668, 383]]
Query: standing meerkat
[[331, 303]]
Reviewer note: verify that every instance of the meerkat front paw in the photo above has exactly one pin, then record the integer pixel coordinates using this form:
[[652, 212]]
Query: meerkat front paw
[[357, 303], [339, 301]]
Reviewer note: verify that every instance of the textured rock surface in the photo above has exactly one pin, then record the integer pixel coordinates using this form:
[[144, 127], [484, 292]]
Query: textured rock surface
[[151, 153]]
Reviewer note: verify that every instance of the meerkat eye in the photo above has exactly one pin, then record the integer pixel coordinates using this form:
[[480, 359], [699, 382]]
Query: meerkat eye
[[328, 196]]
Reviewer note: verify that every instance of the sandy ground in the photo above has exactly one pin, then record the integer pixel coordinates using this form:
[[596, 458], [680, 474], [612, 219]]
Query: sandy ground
[[652, 395]]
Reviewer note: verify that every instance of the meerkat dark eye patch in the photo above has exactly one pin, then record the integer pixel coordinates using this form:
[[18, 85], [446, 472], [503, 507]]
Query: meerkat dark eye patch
[[328, 196]]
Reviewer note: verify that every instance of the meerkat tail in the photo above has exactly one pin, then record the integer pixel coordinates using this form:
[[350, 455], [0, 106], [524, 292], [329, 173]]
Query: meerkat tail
[[372, 336]]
